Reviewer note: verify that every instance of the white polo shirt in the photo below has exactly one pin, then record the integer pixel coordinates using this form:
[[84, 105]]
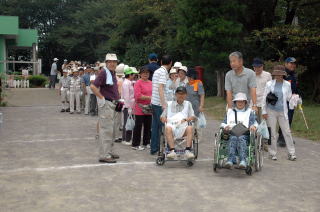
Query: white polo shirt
[[160, 76]]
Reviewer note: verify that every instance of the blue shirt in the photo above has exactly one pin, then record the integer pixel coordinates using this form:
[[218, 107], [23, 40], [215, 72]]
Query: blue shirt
[[86, 79], [278, 92]]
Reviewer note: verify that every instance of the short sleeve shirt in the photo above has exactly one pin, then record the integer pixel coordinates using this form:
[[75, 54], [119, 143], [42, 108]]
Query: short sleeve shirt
[[110, 92], [194, 96], [240, 83], [160, 76]]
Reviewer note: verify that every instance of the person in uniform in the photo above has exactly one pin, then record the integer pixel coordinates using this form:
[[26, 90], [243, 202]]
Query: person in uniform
[[64, 91], [75, 89]]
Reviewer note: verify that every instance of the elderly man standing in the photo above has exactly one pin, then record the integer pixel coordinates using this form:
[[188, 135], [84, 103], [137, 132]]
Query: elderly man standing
[[53, 74], [262, 77], [240, 79], [108, 97], [158, 100]]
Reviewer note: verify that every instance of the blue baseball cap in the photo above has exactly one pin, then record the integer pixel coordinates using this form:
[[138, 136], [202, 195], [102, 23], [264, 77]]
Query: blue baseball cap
[[153, 56], [290, 60], [257, 62]]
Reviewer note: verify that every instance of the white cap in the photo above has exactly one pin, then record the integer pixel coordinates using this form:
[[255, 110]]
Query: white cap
[[184, 68], [120, 69], [240, 97], [55, 59], [177, 65], [173, 71], [111, 56]]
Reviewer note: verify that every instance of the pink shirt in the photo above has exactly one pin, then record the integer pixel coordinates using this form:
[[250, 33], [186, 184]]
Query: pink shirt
[[127, 93], [142, 88]]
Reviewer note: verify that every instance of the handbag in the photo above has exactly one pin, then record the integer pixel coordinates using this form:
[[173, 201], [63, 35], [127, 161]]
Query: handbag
[[239, 129], [146, 109], [272, 98]]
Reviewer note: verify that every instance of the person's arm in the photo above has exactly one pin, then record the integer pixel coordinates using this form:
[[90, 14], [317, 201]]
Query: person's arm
[[253, 93], [96, 84], [201, 93], [125, 94], [162, 98], [163, 116], [229, 98]]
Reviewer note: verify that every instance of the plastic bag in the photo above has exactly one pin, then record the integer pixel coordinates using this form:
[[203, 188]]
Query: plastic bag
[[263, 129], [130, 123], [202, 123]]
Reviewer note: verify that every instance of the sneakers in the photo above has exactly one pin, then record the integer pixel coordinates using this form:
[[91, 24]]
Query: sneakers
[[292, 157], [172, 155], [243, 164], [118, 140], [63, 110], [189, 155], [114, 155], [147, 146], [273, 157], [140, 148], [228, 164], [127, 143], [107, 160]]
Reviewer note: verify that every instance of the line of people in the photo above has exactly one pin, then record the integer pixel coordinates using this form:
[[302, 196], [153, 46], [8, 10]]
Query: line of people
[[122, 95]]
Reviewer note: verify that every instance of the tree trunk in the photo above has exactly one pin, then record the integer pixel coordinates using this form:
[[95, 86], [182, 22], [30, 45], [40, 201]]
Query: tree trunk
[[220, 83]]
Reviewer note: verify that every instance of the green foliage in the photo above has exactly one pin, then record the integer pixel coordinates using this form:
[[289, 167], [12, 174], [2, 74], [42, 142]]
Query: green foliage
[[37, 81]]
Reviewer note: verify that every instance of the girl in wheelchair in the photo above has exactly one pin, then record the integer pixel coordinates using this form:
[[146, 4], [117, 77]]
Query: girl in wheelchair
[[237, 123]]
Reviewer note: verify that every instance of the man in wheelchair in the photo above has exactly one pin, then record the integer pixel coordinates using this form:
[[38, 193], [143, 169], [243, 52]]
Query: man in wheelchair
[[237, 123], [176, 117]]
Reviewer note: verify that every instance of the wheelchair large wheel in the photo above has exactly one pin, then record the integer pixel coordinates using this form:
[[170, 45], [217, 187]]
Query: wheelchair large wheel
[[248, 170], [258, 156], [216, 155], [195, 144]]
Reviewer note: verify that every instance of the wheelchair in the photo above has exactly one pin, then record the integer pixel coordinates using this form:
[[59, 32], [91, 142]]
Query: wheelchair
[[254, 151], [179, 148]]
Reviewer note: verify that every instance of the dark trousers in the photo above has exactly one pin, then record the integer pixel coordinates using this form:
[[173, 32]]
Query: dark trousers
[[93, 105], [52, 81], [156, 127], [145, 121], [126, 134]]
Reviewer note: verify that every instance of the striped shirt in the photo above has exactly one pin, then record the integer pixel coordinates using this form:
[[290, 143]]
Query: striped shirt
[[160, 76]]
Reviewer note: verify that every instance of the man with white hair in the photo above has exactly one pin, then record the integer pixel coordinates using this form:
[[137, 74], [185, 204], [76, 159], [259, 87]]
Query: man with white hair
[[53, 74], [108, 103], [240, 79]]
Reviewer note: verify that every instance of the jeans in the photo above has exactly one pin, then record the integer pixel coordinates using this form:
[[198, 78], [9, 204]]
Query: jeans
[[156, 127], [238, 144]]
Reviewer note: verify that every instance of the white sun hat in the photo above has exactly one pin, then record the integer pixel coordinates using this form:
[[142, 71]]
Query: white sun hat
[[111, 57], [173, 71], [177, 65], [184, 68], [240, 97]]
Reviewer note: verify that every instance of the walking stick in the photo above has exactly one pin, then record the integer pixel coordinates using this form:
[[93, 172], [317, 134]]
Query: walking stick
[[304, 118]]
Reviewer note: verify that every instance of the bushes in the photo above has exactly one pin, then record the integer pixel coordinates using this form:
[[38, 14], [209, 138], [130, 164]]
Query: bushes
[[37, 81]]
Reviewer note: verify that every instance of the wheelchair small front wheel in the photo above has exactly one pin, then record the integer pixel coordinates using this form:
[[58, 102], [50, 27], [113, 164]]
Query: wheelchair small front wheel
[[160, 161], [248, 170], [190, 163]]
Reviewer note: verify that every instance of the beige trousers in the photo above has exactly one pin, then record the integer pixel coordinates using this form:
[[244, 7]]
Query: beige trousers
[[109, 124], [65, 99], [275, 117]]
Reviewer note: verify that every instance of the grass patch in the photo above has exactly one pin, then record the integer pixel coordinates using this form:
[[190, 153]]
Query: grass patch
[[215, 107]]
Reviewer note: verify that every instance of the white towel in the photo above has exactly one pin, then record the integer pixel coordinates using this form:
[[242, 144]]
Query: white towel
[[109, 80]]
